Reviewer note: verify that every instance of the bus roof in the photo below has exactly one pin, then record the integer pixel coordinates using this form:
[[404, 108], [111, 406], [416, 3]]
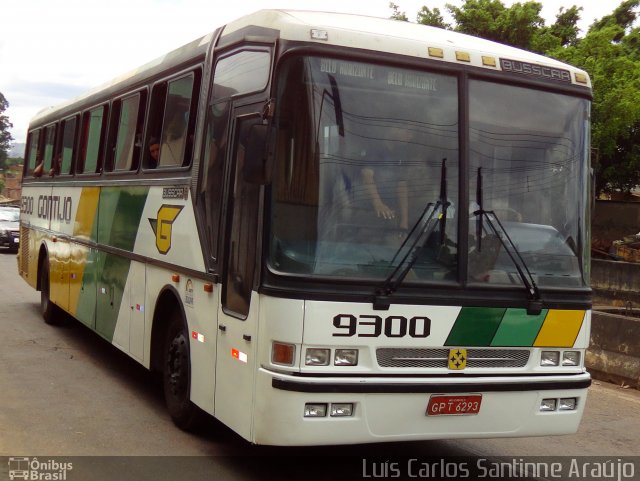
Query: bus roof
[[393, 36], [348, 30]]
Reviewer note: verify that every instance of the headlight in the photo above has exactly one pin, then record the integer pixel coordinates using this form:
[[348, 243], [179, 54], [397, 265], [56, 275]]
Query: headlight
[[571, 358], [548, 405], [341, 409], [315, 410], [317, 357], [550, 358], [346, 357], [568, 404]]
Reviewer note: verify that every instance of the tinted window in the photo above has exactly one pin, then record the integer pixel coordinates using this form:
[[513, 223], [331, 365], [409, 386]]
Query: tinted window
[[241, 73], [527, 168], [176, 122], [126, 136], [68, 143], [241, 247], [33, 154], [171, 125], [50, 139], [93, 126]]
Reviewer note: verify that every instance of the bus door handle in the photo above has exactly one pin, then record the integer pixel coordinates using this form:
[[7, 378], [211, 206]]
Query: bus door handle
[[222, 327], [246, 337]]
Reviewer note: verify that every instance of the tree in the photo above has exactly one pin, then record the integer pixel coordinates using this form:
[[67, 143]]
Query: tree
[[609, 52], [490, 19], [397, 15], [5, 135], [433, 18]]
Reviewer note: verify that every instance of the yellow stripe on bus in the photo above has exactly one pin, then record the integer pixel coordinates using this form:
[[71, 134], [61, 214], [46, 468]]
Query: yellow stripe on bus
[[83, 227], [86, 214], [560, 328]]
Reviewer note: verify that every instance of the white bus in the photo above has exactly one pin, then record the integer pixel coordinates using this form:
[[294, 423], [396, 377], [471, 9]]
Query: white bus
[[328, 229]]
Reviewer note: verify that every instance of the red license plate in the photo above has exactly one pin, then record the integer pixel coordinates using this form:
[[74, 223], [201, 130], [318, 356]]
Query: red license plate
[[454, 405]]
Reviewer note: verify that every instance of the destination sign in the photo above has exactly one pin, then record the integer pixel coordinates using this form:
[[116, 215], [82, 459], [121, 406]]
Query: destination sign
[[384, 77]]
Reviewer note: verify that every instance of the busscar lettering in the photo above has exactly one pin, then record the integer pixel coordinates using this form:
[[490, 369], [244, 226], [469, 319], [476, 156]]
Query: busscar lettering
[[54, 207], [367, 325], [533, 70]]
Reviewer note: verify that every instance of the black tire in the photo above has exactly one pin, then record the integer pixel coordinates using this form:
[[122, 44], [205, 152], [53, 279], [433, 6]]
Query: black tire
[[48, 309], [176, 376]]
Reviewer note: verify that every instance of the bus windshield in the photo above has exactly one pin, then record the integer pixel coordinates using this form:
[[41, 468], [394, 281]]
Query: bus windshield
[[362, 150]]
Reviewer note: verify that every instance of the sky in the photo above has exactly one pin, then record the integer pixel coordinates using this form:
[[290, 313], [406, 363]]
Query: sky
[[51, 51]]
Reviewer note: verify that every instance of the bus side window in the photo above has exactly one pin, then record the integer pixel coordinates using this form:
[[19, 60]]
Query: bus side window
[[67, 145], [154, 126], [121, 150], [33, 152], [93, 123], [50, 140], [175, 102]]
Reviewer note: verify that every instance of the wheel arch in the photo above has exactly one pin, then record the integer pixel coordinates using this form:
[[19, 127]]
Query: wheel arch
[[43, 255], [167, 304]]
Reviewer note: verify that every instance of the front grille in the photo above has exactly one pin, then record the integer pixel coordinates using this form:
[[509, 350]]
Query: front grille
[[438, 358]]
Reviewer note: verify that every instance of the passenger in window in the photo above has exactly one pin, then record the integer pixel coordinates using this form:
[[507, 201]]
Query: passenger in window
[[154, 153], [55, 166], [39, 169]]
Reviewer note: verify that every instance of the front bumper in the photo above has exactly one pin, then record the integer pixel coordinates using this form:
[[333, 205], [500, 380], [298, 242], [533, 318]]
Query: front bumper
[[394, 409]]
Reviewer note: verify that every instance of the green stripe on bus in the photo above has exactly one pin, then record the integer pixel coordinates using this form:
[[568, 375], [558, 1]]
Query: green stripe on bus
[[518, 328], [119, 215], [475, 326], [112, 278], [86, 308]]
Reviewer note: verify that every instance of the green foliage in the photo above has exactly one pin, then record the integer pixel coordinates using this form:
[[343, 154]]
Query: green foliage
[[609, 52], [433, 18], [5, 135], [397, 15], [490, 19]]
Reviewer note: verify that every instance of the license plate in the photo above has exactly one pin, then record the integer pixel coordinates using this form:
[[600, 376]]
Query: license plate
[[443, 405], [16, 240]]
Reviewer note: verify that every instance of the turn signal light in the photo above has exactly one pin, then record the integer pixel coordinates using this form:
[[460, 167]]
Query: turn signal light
[[282, 353]]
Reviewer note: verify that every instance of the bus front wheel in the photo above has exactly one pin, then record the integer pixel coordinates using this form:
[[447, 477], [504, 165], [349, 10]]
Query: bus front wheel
[[176, 376]]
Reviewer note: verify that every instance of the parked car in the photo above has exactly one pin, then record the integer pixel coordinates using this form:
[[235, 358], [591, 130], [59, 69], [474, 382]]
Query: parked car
[[10, 227]]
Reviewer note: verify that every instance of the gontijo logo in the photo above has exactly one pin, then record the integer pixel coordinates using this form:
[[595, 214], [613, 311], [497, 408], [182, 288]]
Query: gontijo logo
[[163, 226]]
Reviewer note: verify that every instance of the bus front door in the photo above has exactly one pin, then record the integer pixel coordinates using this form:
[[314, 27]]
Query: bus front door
[[237, 319]]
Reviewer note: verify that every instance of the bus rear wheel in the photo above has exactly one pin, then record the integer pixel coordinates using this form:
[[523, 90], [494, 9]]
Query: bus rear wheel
[[47, 308], [176, 376]]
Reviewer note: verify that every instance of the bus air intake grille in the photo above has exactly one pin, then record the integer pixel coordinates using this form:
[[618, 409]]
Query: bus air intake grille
[[438, 358], [24, 240]]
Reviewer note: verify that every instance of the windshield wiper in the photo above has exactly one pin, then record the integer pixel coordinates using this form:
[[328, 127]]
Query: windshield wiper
[[535, 301], [422, 229]]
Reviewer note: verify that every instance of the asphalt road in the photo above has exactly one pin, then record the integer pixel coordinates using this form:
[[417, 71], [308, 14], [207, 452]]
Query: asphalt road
[[66, 392]]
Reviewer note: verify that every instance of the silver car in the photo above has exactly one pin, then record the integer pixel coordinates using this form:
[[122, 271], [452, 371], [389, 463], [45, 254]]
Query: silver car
[[10, 227]]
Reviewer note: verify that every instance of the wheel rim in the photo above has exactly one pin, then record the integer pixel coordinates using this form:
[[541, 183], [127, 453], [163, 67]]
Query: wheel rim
[[178, 367]]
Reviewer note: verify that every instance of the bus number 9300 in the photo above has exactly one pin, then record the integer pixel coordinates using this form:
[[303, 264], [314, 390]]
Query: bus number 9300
[[348, 325]]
